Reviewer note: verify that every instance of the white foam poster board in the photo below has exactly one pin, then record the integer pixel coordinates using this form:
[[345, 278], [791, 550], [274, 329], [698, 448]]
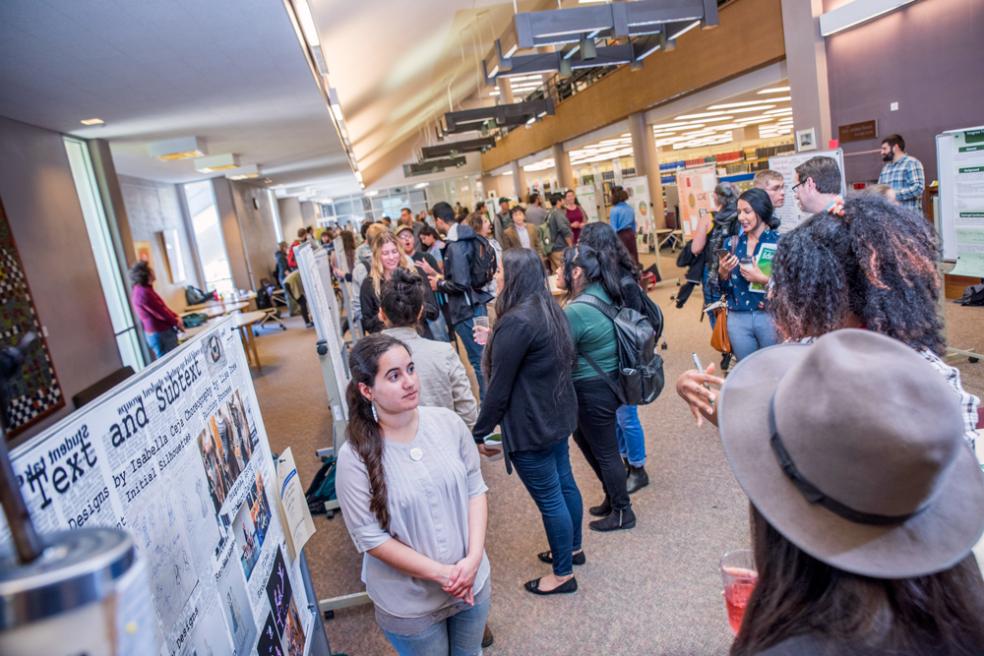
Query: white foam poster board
[[960, 220], [178, 456], [790, 213]]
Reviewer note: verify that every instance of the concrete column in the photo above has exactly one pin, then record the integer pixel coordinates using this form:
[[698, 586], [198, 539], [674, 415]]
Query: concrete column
[[519, 182], [562, 163], [806, 63], [232, 234], [647, 163]]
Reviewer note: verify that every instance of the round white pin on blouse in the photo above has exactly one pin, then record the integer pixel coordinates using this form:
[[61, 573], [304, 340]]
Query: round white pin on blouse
[[416, 454]]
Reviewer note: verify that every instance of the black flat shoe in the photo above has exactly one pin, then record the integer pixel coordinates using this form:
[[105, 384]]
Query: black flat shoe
[[618, 520], [568, 586], [487, 638], [577, 559], [604, 510]]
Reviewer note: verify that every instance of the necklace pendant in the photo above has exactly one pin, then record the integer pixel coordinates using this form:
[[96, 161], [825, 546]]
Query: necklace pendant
[[416, 454]]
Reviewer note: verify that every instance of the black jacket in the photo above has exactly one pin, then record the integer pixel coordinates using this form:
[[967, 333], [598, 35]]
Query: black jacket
[[462, 298], [282, 268], [524, 395], [371, 322]]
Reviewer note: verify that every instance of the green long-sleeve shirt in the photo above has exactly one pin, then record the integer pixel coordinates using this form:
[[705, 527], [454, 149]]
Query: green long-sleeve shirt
[[594, 334]]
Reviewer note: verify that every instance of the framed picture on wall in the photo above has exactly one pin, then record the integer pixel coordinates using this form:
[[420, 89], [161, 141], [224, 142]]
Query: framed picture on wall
[[144, 252], [173, 255], [806, 139], [34, 393]]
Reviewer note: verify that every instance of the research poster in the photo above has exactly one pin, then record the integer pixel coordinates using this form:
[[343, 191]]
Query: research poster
[[638, 190], [961, 167], [696, 190], [790, 212], [178, 456]]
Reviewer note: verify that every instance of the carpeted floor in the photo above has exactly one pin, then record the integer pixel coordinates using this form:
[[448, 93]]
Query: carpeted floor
[[652, 590]]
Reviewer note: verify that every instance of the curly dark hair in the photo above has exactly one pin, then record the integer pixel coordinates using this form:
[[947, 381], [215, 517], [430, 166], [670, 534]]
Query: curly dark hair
[[140, 273], [878, 263]]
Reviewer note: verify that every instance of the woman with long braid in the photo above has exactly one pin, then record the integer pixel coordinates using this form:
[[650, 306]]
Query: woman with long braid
[[413, 499]]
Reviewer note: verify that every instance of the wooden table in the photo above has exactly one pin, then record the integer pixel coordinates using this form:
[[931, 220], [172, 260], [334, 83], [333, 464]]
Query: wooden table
[[246, 298], [215, 310], [245, 322]]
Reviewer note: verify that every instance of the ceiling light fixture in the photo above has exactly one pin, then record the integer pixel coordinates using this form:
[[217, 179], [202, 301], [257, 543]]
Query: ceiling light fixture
[[421, 185], [175, 149], [854, 13], [92, 121], [678, 34], [245, 173], [749, 103], [217, 163], [773, 90], [736, 110]]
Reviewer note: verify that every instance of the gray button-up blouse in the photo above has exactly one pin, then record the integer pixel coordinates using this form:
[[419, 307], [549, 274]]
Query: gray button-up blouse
[[428, 505]]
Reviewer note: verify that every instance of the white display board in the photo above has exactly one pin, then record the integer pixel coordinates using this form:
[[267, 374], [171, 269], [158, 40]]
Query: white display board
[[641, 202], [312, 263], [790, 212], [696, 189], [960, 219], [587, 197], [178, 456]]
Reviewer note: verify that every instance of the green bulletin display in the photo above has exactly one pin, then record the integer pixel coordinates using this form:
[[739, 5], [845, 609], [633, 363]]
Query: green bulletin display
[[960, 223]]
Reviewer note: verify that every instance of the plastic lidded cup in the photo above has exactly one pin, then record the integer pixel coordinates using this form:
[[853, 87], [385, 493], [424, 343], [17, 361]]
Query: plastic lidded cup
[[739, 576]]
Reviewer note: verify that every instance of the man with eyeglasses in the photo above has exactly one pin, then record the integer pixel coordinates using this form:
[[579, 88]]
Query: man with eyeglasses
[[818, 184]]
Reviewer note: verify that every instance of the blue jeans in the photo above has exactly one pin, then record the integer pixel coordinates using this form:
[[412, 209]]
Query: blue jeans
[[548, 478], [459, 635], [162, 342], [631, 439], [750, 331], [472, 348]]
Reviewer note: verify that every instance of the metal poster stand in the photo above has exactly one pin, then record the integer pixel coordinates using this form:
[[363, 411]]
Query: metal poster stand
[[316, 278]]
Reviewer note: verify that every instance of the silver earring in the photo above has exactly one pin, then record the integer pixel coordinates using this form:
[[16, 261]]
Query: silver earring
[[375, 417]]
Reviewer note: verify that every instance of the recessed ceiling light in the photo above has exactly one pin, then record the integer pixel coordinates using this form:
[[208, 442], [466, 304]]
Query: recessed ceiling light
[[92, 121], [747, 103], [784, 110], [774, 90]]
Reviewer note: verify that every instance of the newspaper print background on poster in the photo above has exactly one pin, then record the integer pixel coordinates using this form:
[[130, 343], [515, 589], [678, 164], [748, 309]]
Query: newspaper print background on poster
[[179, 457]]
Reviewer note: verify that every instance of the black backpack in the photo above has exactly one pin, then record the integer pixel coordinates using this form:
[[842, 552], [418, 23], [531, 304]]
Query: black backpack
[[973, 295], [483, 265], [640, 367], [649, 309]]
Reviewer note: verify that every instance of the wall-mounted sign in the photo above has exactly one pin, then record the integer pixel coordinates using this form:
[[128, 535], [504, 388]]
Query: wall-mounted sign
[[857, 131]]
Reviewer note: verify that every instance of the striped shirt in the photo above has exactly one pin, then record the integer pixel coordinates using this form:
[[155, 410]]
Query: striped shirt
[[907, 178]]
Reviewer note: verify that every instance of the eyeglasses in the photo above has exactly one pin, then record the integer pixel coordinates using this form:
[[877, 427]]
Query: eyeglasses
[[798, 185]]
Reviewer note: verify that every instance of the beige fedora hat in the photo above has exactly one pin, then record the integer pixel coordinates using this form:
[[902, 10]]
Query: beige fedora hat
[[852, 447]]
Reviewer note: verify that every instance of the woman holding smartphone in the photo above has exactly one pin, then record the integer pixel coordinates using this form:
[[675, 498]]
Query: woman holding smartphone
[[750, 326], [530, 393], [413, 499]]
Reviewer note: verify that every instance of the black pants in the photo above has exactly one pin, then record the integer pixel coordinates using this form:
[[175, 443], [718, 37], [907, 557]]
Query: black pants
[[595, 435]]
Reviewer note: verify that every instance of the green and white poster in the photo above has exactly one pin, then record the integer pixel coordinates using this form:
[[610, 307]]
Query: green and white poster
[[961, 216], [766, 254]]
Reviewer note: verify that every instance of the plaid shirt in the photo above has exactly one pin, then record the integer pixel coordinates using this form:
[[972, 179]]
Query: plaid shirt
[[907, 178], [968, 402]]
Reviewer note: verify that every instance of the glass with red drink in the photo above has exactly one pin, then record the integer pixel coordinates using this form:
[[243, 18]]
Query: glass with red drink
[[739, 576]]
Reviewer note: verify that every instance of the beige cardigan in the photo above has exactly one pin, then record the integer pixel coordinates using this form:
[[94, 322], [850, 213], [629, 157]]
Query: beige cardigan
[[443, 380]]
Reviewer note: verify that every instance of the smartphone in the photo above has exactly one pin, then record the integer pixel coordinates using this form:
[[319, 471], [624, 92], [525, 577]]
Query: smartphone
[[697, 364], [721, 252]]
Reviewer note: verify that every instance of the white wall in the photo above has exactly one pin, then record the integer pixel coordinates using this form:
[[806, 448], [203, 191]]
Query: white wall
[[43, 210], [256, 229], [290, 217], [152, 207]]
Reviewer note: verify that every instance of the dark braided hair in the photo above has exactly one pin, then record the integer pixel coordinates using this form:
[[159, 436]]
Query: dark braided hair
[[402, 298], [363, 430], [877, 262]]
